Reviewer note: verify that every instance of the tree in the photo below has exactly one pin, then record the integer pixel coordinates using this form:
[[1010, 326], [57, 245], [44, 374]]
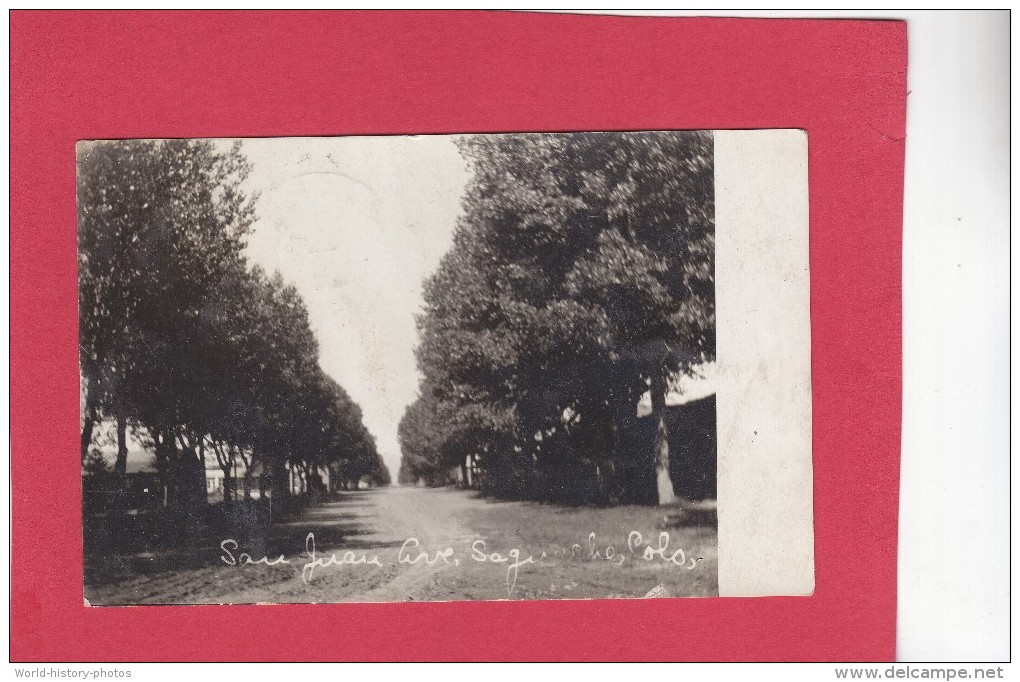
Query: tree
[[182, 337], [581, 277], [160, 223], [653, 269]]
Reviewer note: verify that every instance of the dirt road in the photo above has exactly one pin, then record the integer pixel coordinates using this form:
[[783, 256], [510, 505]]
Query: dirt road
[[421, 544]]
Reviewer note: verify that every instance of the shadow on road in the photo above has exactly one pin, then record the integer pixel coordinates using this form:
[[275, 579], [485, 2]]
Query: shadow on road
[[122, 545]]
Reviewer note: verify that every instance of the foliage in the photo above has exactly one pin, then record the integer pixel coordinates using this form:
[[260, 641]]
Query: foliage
[[181, 336], [581, 277]]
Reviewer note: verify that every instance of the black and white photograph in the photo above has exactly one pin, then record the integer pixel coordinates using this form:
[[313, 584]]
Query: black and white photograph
[[403, 368], [431, 336]]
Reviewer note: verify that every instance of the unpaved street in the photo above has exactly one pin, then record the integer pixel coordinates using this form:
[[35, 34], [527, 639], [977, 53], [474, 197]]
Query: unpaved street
[[421, 544]]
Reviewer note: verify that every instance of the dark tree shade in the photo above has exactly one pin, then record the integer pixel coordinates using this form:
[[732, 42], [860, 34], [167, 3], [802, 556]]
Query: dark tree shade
[[581, 277], [180, 336]]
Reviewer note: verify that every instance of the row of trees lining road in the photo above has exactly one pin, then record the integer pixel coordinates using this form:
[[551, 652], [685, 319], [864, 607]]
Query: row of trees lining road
[[184, 341], [581, 278]]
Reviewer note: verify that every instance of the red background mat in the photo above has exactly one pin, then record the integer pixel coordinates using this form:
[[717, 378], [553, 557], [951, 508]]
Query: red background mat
[[157, 74]]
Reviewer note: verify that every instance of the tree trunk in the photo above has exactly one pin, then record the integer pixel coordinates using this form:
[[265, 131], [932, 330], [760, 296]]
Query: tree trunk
[[225, 459], [262, 475], [86, 432], [281, 480], [228, 483], [201, 463], [191, 481], [248, 470], [198, 493], [160, 441], [90, 416], [663, 482], [120, 467], [608, 488], [230, 489]]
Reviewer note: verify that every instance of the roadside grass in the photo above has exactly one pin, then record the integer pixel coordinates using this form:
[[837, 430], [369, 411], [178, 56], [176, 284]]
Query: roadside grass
[[611, 552], [128, 542], [500, 550]]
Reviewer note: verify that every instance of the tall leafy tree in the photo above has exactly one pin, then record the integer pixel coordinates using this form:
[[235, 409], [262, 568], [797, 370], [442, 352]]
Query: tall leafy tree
[[160, 224], [581, 277], [182, 337]]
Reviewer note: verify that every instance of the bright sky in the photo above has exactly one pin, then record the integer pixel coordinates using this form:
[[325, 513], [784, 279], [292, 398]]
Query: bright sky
[[357, 224]]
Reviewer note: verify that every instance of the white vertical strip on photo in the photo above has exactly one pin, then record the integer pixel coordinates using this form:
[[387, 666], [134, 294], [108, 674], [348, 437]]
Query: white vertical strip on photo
[[766, 529]]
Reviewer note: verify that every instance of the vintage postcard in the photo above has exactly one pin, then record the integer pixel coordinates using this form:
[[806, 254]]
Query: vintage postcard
[[445, 367]]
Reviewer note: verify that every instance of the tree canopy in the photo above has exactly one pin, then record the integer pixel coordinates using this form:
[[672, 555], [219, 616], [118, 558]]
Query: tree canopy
[[182, 337], [581, 277]]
